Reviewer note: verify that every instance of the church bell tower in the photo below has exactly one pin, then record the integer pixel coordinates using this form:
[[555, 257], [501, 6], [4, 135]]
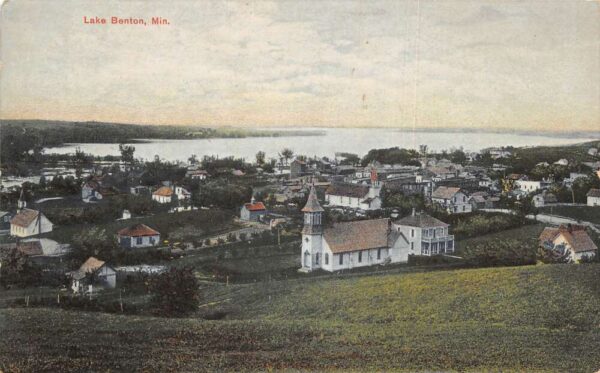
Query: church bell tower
[[312, 233]]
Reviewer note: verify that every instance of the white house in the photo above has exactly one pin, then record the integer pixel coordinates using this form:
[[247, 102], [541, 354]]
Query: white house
[[528, 185], [139, 235], [572, 238], [93, 273], [165, 194], [426, 235], [355, 196], [348, 245], [29, 222], [542, 199], [452, 199], [562, 162], [593, 197]]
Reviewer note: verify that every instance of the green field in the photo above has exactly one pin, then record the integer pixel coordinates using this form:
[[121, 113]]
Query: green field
[[537, 318]]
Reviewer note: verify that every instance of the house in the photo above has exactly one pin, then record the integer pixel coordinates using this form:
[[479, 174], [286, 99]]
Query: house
[[572, 238], [298, 168], [95, 190], [288, 192], [543, 199], [593, 151], [529, 186], [426, 235], [347, 245], [593, 197], [138, 235], [568, 181], [253, 211], [5, 217], [481, 200], [355, 196], [93, 273], [28, 222], [197, 174], [165, 194], [140, 190], [452, 199]]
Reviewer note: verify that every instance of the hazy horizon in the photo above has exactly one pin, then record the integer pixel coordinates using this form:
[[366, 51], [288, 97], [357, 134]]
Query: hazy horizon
[[412, 65]]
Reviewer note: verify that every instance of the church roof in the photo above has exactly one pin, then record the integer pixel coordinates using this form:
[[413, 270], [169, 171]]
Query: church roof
[[357, 235], [312, 204], [24, 218], [348, 190]]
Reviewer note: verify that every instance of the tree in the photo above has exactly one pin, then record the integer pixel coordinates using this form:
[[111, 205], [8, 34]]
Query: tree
[[175, 293], [93, 242], [260, 158], [127, 153], [16, 268], [193, 159], [287, 154]]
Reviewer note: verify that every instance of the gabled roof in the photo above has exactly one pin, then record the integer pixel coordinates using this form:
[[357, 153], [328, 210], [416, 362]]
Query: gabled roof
[[593, 193], [256, 206], [421, 221], [575, 235], [24, 218], [138, 230], [164, 191], [91, 265], [445, 192], [357, 235], [312, 204], [348, 190]]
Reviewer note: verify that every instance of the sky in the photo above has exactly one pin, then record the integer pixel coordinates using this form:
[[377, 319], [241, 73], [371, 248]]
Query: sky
[[515, 65]]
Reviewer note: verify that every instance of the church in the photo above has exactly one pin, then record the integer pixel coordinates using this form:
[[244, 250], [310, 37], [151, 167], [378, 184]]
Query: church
[[350, 244]]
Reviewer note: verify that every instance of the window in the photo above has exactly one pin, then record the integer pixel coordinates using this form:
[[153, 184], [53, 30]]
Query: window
[[463, 208], [442, 247], [412, 245], [378, 254], [317, 258], [360, 256], [341, 259], [326, 258], [464, 198], [450, 245], [138, 240], [412, 232]]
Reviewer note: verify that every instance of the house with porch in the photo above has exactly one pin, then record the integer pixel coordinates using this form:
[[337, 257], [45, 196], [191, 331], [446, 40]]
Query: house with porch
[[28, 222], [426, 235]]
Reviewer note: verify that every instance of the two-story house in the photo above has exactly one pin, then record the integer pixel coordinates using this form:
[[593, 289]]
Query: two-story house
[[426, 235], [453, 199]]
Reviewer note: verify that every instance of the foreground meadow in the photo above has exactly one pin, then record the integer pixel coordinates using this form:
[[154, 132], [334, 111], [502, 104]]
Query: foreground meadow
[[539, 318]]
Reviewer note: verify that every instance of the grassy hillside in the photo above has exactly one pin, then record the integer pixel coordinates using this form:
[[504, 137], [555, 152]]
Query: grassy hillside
[[543, 318]]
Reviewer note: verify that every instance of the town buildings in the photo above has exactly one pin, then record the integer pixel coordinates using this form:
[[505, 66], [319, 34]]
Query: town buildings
[[355, 196], [347, 245]]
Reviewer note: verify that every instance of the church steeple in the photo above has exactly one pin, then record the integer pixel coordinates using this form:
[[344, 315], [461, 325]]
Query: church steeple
[[312, 214], [22, 203]]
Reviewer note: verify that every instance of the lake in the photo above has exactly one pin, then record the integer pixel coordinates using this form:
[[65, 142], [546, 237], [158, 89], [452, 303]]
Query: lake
[[355, 140]]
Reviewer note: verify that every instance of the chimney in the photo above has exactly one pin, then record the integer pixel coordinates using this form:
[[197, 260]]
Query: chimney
[[252, 200], [413, 212]]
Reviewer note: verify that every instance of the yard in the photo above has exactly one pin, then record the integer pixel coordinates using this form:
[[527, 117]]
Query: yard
[[534, 318]]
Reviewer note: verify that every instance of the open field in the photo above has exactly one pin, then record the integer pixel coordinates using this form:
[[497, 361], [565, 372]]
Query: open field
[[585, 213], [537, 318]]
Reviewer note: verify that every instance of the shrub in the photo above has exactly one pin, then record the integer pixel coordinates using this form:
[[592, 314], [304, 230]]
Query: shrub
[[175, 293]]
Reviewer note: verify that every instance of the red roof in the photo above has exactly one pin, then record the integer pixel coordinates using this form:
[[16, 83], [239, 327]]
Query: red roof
[[257, 206], [138, 230]]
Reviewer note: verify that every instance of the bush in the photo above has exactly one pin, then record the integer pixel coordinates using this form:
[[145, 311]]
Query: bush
[[501, 253], [175, 293]]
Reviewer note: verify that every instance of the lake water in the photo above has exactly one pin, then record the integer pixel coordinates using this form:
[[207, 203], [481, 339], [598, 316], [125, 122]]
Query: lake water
[[358, 141]]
